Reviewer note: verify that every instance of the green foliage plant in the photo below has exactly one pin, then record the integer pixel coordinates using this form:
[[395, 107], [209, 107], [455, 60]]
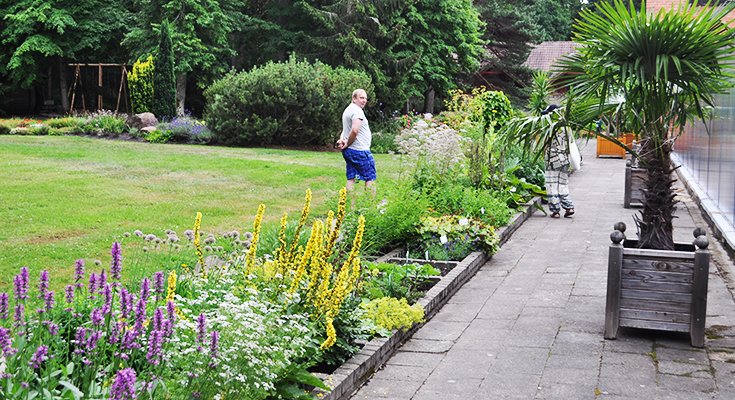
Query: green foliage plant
[[392, 216], [140, 84], [164, 80], [288, 103], [390, 313], [452, 228], [396, 280], [668, 66], [104, 123]]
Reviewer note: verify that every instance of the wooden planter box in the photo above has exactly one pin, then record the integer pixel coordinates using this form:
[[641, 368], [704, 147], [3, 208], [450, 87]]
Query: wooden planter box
[[657, 289], [607, 148], [635, 182]]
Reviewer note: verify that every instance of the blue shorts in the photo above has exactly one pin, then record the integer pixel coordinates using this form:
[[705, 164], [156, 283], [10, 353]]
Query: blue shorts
[[360, 164]]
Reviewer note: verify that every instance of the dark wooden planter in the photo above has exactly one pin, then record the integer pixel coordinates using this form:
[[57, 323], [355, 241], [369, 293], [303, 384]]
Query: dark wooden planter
[[635, 182], [657, 289]]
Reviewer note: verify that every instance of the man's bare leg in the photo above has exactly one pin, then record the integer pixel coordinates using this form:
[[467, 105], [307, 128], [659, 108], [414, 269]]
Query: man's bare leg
[[370, 185]]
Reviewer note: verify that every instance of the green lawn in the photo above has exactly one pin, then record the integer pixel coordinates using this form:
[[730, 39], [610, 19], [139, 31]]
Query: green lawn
[[65, 198]]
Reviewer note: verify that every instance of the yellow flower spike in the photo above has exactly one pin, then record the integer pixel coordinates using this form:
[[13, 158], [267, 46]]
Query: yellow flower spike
[[297, 234], [197, 245], [250, 256], [171, 286], [316, 260], [304, 259], [331, 335], [281, 255], [356, 242], [338, 222]]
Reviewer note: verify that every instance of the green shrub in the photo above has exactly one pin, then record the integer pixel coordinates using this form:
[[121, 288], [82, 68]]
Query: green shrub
[[395, 280], [289, 103], [65, 122], [390, 219], [140, 82], [384, 135], [159, 136], [105, 123], [389, 313]]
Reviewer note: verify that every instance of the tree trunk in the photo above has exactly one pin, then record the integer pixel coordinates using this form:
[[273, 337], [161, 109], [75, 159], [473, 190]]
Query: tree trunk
[[655, 224], [62, 86], [429, 100], [180, 93]]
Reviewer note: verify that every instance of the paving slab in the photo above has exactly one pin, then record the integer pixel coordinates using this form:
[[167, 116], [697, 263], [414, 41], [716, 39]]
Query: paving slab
[[529, 324]]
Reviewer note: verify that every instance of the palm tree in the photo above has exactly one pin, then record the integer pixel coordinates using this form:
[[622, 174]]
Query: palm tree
[[668, 67]]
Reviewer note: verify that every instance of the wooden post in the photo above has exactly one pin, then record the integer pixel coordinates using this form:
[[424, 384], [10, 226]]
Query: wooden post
[[99, 87], [614, 271], [628, 183], [699, 291]]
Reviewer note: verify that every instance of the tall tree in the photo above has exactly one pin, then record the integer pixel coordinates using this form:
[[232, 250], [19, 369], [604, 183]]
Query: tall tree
[[200, 33], [410, 48], [164, 81], [37, 34]]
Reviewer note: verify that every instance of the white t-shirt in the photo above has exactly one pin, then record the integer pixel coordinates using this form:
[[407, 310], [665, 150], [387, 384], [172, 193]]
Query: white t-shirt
[[364, 136]]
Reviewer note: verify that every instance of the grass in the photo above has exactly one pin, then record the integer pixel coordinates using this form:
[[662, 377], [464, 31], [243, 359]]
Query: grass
[[66, 198]]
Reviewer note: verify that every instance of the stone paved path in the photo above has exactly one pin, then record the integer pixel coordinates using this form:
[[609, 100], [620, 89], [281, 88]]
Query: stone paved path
[[529, 324]]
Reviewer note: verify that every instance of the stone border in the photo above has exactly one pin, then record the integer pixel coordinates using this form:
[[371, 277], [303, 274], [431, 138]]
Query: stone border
[[358, 369]]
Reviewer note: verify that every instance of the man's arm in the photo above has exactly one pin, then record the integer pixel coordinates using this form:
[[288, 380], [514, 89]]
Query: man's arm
[[356, 124]]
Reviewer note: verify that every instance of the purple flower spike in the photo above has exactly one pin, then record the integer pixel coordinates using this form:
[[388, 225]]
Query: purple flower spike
[[96, 317], [102, 281], [93, 339], [92, 283], [53, 329], [4, 305], [43, 285], [49, 300], [201, 331], [21, 284], [157, 319], [158, 284], [140, 312], [107, 293], [20, 312], [116, 264], [145, 289], [5, 344], [79, 272], [39, 357], [155, 342], [69, 294], [213, 345], [123, 388]]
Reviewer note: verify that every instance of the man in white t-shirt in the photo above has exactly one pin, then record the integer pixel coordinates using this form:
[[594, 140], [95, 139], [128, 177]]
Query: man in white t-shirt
[[355, 143]]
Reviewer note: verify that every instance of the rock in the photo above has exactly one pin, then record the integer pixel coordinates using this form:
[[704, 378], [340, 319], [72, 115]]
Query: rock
[[142, 120], [148, 129]]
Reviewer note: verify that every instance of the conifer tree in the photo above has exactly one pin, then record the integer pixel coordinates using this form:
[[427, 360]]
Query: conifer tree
[[164, 80]]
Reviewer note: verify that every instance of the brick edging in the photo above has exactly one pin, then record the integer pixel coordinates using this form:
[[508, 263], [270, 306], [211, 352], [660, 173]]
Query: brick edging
[[356, 371]]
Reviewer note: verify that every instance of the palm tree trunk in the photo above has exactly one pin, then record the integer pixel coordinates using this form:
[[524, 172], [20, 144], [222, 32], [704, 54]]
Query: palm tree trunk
[[655, 224]]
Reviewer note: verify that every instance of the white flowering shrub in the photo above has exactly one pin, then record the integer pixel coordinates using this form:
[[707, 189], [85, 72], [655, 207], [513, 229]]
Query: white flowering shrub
[[258, 344], [433, 148]]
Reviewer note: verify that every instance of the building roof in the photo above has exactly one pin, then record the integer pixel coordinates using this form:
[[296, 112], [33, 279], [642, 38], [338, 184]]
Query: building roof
[[544, 55]]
